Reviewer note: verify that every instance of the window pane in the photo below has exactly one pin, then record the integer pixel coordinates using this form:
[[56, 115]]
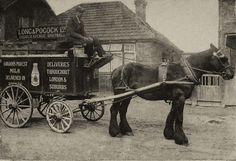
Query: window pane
[[106, 68], [129, 48], [117, 60], [106, 47], [116, 47]]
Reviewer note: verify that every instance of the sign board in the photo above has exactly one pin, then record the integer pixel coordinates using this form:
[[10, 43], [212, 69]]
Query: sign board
[[43, 32]]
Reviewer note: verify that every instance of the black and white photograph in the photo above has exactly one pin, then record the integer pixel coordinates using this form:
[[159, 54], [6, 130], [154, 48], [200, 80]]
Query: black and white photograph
[[117, 80]]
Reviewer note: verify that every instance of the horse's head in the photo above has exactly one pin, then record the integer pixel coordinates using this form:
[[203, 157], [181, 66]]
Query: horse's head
[[220, 63]]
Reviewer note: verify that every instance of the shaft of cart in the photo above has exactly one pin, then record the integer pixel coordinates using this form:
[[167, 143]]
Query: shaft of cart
[[135, 91]]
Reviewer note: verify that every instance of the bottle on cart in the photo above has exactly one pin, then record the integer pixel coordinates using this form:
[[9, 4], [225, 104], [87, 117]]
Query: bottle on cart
[[35, 75]]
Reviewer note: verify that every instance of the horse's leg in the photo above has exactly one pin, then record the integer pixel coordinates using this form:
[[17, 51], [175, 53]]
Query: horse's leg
[[113, 127], [178, 105], [169, 128], [124, 125]]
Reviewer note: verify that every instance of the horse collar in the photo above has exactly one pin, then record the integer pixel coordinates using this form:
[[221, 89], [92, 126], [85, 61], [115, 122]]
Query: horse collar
[[190, 73]]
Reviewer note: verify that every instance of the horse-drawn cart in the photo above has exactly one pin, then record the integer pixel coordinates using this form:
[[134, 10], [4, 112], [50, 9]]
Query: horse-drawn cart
[[48, 78]]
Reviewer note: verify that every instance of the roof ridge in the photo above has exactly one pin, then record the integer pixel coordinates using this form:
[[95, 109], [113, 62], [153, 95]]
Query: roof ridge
[[100, 2]]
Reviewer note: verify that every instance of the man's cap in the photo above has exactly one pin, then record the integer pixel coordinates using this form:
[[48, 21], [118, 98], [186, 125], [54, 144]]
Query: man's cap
[[79, 9]]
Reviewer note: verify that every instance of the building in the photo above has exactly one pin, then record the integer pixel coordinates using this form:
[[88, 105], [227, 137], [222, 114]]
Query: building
[[122, 32], [25, 14], [125, 34], [227, 43]]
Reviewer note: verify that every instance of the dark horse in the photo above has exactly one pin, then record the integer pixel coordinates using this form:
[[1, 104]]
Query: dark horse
[[135, 75]]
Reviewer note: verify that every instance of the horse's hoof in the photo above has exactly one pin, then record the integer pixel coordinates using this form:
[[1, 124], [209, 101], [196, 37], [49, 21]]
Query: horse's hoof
[[129, 133], [113, 132], [119, 135], [181, 140], [169, 133]]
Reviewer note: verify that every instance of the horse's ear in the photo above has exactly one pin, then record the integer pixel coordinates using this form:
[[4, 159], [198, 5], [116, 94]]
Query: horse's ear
[[213, 47]]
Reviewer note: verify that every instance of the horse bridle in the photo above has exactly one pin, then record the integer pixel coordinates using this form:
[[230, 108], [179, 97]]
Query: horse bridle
[[221, 63], [191, 69]]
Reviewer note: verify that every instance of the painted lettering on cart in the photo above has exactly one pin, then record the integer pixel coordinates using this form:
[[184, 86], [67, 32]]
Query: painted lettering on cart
[[58, 64], [13, 71], [58, 73], [58, 86], [58, 79], [15, 64], [15, 77]]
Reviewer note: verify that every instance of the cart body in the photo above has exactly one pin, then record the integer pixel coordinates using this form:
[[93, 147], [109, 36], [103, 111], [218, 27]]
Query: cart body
[[55, 74], [48, 80]]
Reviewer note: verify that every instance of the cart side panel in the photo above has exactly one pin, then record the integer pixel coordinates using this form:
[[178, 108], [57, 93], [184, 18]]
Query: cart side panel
[[59, 76], [36, 75], [15, 71], [87, 78]]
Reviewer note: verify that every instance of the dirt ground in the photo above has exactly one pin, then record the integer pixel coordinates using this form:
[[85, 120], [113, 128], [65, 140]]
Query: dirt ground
[[211, 132]]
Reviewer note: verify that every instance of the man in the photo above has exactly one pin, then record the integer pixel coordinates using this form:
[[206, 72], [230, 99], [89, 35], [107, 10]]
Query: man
[[76, 35]]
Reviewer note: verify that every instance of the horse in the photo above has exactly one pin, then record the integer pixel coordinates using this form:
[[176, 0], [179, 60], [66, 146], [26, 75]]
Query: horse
[[135, 75]]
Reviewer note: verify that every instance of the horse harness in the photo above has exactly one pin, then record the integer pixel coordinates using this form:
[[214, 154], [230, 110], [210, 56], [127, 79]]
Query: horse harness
[[190, 69]]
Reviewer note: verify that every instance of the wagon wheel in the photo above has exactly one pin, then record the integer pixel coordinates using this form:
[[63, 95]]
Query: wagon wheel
[[15, 106], [93, 111], [43, 108], [59, 116]]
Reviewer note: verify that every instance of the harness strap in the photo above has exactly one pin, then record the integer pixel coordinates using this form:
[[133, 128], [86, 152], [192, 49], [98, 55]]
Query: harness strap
[[190, 73], [122, 82]]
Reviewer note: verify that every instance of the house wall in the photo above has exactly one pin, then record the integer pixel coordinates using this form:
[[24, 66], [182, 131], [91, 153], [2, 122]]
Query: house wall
[[227, 25], [2, 28], [152, 53], [147, 53], [38, 13]]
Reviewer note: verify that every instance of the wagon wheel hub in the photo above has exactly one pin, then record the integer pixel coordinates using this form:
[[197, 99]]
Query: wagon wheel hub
[[91, 108], [13, 106], [59, 116]]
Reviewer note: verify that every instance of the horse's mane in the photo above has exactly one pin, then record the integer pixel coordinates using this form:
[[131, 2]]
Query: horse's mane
[[202, 53]]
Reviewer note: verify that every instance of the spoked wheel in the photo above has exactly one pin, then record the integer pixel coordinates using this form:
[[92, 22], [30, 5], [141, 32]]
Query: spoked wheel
[[43, 108], [59, 116], [15, 106], [93, 111]]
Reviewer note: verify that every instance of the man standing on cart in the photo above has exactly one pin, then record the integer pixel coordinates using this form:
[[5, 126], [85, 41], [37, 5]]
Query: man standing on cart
[[76, 35]]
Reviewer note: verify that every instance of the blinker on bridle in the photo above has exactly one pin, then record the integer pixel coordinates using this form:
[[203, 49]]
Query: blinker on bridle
[[219, 55]]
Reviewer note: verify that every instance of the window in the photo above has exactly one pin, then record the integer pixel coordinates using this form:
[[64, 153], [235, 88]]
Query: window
[[129, 53], [129, 48], [122, 54], [25, 22], [231, 41]]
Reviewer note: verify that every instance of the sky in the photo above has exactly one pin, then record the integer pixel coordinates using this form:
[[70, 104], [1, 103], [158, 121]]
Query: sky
[[190, 24]]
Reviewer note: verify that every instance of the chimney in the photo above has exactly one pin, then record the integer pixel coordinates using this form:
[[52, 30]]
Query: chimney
[[140, 6]]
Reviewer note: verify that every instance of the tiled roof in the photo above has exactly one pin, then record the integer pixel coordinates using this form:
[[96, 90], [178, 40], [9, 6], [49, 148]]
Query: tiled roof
[[111, 21]]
